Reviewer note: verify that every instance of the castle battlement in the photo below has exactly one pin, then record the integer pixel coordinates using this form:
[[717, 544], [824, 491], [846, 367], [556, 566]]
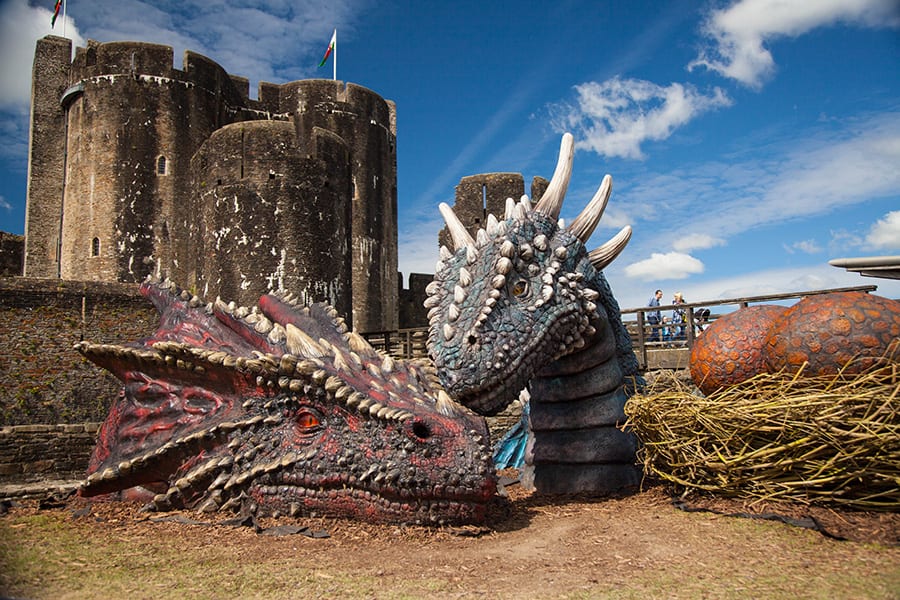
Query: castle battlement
[[134, 165]]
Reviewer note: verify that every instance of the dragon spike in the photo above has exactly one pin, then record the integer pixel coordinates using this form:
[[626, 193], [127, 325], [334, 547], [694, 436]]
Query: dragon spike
[[510, 208], [461, 237], [605, 254], [520, 212], [444, 404], [492, 225], [551, 202], [300, 343], [585, 223]]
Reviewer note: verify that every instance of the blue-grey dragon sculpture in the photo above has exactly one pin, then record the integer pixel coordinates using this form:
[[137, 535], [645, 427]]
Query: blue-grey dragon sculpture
[[524, 303]]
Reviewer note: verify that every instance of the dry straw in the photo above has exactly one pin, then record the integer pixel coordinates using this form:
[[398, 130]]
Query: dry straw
[[828, 440]]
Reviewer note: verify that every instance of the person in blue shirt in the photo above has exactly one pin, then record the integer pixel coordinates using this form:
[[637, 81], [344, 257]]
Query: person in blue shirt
[[654, 317]]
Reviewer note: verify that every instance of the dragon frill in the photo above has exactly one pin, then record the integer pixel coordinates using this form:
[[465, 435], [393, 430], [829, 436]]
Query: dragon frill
[[279, 409], [524, 303]]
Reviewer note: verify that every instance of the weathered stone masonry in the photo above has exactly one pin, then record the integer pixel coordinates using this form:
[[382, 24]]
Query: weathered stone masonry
[[137, 168], [42, 379]]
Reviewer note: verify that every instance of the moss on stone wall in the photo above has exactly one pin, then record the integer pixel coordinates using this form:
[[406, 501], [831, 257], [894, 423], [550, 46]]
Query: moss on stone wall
[[42, 378]]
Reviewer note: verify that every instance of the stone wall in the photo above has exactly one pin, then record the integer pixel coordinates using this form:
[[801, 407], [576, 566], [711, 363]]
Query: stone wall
[[478, 196], [12, 254], [30, 453], [43, 380]]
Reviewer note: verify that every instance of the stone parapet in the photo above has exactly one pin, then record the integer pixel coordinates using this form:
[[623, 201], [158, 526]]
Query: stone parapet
[[35, 453]]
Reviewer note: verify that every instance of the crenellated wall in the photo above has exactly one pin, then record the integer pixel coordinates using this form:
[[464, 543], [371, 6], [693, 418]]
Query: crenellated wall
[[477, 196], [134, 162]]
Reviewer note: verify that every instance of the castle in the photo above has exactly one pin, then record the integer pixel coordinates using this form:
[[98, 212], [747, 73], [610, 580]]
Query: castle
[[137, 168]]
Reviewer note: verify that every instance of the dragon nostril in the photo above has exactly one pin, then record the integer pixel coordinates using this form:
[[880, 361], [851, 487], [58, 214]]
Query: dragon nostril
[[421, 430], [472, 339]]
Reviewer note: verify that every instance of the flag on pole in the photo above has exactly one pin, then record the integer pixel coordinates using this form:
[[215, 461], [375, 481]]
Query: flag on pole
[[55, 13], [328, 51]]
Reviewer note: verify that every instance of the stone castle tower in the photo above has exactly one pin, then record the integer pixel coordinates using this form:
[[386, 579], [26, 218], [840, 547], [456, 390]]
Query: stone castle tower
[[137, 168], [478, 196]]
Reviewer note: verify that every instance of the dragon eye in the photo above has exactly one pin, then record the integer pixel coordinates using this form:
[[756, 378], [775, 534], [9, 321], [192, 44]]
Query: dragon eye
[[307, 421], [519, 288]]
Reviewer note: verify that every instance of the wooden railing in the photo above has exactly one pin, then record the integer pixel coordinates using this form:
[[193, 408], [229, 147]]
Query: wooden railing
[[403, 343], [641, 331], [410, 343]]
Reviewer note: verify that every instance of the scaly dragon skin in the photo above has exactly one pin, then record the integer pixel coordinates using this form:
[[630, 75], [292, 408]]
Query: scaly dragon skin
[[526, 302], [280, 410]]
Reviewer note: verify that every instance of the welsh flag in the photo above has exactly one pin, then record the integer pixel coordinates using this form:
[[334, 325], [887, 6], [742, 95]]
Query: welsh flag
[[55, 13], [328, 51]]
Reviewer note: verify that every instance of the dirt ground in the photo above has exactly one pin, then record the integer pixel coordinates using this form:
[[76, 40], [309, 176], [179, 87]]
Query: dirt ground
[[640, 545]]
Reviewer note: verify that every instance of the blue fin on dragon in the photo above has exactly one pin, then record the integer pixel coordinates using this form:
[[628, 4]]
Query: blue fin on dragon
[[279, 409], [524, 303]]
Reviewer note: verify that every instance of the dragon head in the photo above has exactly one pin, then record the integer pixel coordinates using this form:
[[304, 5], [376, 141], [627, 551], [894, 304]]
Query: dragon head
[[524, 292], [280, 409]]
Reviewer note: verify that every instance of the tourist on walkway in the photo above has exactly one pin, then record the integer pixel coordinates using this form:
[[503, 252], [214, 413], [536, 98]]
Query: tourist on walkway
[[654, 317], [678, 316]]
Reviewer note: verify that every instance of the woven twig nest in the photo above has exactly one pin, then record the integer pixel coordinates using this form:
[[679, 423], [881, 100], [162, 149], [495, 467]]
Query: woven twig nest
[[828, 440]]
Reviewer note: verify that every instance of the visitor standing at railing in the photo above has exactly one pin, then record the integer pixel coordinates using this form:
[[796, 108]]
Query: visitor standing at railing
[[678, 316], [654, 317]]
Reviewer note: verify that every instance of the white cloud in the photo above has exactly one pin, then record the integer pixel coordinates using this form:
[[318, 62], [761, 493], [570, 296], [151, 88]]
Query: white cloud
[[20, 27], [615, 117], [696, 241], [671, 265], [418, 244], [739, 33], [805, 246], [4, 204], [836, 168], [885, 233]]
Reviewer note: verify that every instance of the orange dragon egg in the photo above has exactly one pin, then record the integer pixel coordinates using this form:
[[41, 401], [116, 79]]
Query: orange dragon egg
[[730, 350], [830, 330]]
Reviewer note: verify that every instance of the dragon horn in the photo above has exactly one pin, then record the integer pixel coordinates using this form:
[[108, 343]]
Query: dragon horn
[[585, 223], [458, 233], [605, 254], [551, 202]]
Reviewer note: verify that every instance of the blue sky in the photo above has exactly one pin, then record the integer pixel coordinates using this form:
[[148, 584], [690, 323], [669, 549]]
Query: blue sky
[[749, 142]]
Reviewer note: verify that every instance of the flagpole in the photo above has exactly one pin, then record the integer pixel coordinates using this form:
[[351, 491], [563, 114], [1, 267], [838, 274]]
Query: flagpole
[[335, 55], [64, 18]]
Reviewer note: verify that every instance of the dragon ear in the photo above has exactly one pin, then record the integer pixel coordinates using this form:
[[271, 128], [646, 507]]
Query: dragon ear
[[585, 223], [605, 254], [458, 233], [551, 202]]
